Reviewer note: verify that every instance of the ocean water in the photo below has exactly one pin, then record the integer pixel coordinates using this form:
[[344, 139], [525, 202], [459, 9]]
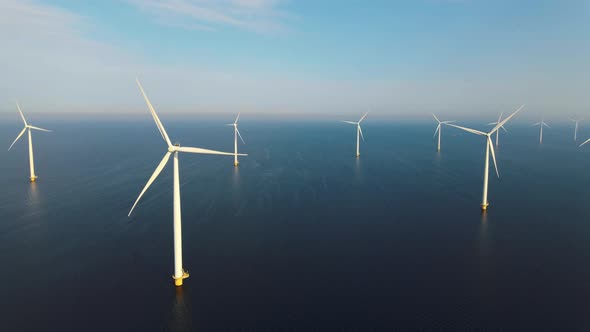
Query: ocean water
[[302, 236]]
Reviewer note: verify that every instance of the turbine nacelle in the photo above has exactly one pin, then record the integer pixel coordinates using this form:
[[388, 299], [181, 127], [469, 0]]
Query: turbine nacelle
[[173, 148]]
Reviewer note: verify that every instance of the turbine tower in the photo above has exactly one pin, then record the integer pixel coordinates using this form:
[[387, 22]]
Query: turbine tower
[[236, 134], [28, 128], [498, 132], [577, 122], [439, 128], [179, 273], [489, 148], [541, 124], [359, 133]]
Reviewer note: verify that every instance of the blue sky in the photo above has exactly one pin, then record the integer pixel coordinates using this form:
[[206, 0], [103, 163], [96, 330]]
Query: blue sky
[[296, 57]]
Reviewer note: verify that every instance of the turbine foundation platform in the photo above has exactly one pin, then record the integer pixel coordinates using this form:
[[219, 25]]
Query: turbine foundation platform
[[484, 207], [178, 281], [358, 155], [33, 178], [236, 163]]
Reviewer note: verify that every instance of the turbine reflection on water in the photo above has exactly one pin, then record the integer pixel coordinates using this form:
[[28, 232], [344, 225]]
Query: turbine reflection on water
[[181, 317]]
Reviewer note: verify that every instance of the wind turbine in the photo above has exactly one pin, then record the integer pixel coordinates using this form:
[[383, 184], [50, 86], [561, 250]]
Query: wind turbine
[[489, 148], [439, 128], [173, 149], [236, 134], [359, 133], [541, 124], [577, 121], [498, 132], [28, 128]]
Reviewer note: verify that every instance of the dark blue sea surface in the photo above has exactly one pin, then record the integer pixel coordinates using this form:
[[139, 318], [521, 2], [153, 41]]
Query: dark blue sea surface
[[301, 236]]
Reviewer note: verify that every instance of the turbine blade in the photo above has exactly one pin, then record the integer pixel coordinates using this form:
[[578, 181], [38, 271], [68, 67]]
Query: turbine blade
[[37, 128], [361, 131], [473, 131], [436, 131], [503, 122], [237, 131], [361, 120], [491, 145], [152, 178], [154, 115], [447, 122], [585, 142], [546, 125], [206, 151], [491, 124], [17, 137], [354, 123], [230, 124], [504, 129], [437, 120], [536, 124], [21, 113], [500, 118], [237, 118]]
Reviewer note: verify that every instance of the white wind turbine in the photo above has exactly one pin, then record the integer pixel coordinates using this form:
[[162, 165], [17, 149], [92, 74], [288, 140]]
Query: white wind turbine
[[489, 148], [359, 133], [577, 121], [179, 273], [541, 124], [236, 134], [498, 132], [439, 128], [28, 128]]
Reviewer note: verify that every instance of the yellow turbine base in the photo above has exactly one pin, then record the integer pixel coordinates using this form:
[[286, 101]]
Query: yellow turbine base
[[236, 163], [358, 155], [178, 281], [33, 178], [484, 207]]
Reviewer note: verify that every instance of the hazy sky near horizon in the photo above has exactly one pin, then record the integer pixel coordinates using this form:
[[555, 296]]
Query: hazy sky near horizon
[[296, 56]]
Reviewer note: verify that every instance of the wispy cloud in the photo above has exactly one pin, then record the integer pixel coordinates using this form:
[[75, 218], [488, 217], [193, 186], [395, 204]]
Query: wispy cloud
[[50, 62], [262, 16]]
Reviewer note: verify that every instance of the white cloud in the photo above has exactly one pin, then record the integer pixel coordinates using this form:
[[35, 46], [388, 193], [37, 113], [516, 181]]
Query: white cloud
[[49, 63], [262, 16]]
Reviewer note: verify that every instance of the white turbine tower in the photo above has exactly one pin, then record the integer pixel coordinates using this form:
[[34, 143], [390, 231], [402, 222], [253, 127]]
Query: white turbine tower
[[577, 122], [541, 124], [28, 128], [179, 273], [439, 128], [498, 132], [359, 133], [489, 148], [236, 134]]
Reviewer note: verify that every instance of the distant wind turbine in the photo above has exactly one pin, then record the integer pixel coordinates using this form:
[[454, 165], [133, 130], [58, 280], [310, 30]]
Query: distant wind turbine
[[498, 132], [577, 122], [236, 134], [359, 133], [28, 128], [489, 148], [179, 273], [541, 124], [439, 128]]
